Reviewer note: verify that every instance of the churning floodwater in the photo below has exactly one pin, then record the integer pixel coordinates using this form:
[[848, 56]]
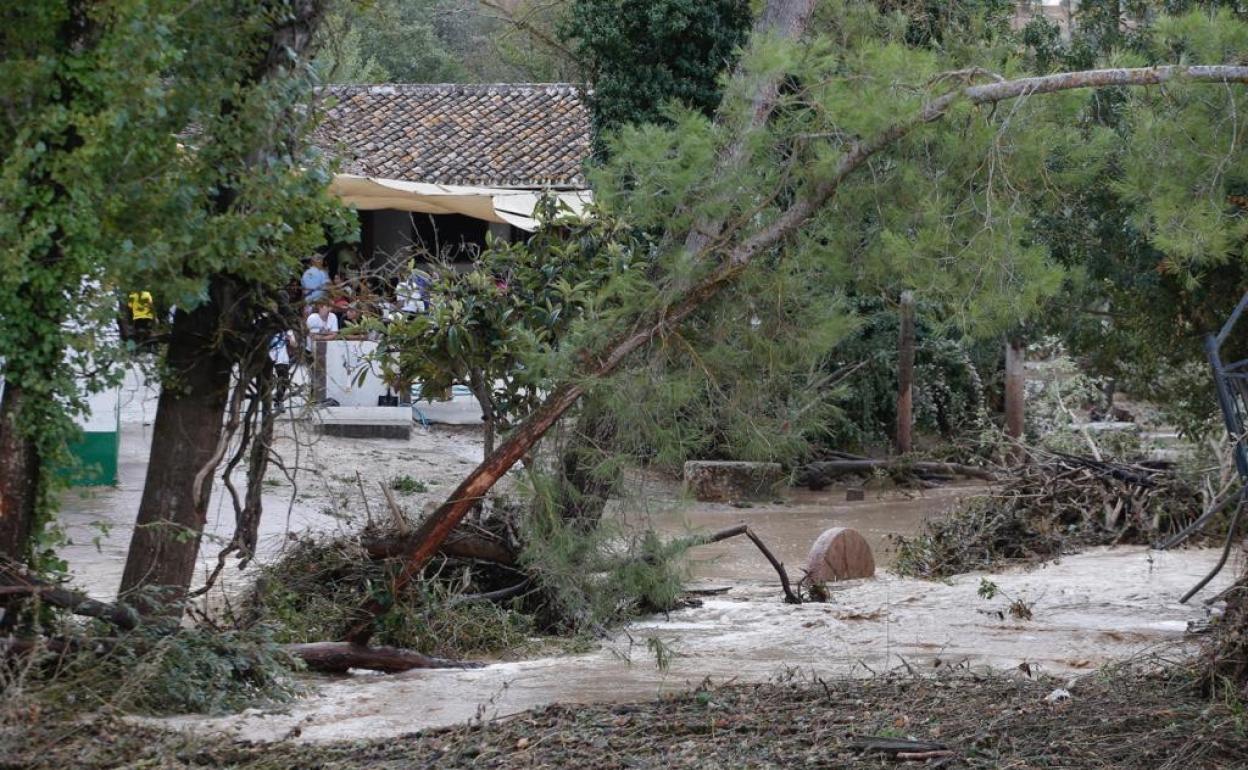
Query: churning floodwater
[[1088, 609]]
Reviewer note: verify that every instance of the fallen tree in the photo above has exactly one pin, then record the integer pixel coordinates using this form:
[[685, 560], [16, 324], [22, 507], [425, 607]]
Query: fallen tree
[[726, 256], [330, 657]]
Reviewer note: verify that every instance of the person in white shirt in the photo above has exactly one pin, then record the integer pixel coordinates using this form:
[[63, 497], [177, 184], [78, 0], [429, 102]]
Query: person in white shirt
[[322, 324]]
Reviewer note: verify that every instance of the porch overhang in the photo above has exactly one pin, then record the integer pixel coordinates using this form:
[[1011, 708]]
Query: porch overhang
[[492, 204]]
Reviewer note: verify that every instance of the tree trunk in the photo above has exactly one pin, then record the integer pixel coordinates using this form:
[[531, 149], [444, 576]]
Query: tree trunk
[[583, 486], [185, 452], [19, 478], [1015, 390], [481, 390], [733, 259], [338, 657], [186, 438], [905, 375]]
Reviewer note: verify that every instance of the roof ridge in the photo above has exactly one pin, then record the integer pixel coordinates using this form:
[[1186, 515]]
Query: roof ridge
[[448, 86]]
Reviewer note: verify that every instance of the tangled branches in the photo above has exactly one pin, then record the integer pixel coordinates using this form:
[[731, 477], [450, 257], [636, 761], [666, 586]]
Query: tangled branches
[[1046, 507]]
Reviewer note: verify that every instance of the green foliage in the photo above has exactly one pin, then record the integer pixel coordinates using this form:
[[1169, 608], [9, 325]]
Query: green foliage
[[153, 671], [642, 55], [1144, 208], [951, 374], [443, 41], [498, 328], [592, 580], [408, 485], [311, 593], [139, 153]]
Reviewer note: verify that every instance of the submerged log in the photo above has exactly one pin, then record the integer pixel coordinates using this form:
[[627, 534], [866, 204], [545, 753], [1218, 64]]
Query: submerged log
[[820, 474], [338, 657]]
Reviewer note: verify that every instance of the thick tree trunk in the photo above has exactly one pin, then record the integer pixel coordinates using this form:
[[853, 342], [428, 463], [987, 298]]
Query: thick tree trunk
[[186, 440], [185, 452], [19, 478], [905, 375], [735, 258]]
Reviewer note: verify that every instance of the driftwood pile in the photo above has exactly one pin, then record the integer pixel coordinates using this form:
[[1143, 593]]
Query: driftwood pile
[[1048, 506]]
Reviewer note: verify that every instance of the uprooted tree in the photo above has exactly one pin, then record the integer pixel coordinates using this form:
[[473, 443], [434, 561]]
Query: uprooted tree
[[823, 169]]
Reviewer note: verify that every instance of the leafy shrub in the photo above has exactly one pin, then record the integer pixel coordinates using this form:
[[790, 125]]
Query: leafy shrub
[[152, 671], [407, 485]]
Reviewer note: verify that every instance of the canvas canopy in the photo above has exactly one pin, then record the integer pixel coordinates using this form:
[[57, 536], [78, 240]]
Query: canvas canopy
[[492, 204]]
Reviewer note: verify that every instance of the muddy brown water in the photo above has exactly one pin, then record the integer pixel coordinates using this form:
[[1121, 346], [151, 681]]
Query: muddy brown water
[[1089, 609], [1099, 606]]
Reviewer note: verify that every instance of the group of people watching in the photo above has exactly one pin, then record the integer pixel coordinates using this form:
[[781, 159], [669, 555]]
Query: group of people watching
[[336, 310]]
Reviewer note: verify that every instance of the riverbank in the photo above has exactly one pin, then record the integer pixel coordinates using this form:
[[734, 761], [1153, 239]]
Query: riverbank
[[1130, 717]]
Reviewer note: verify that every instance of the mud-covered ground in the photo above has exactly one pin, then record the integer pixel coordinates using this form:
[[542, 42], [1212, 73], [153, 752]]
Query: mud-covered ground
[[1117, 718]]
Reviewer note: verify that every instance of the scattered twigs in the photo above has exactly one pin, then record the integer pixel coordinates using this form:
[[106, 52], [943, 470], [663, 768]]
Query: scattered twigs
[[396, 513], [742, 529], [368, 512], [1217, 507], [338, 657], [1042, 508]]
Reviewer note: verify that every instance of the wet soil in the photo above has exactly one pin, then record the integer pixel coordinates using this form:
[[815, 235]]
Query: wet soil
[[1128, 718]]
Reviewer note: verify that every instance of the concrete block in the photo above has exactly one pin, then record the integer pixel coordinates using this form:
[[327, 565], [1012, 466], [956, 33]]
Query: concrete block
[[721, 481], [393, 422]]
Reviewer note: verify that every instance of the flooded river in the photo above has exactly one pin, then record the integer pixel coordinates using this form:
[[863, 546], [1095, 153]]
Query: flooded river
[[1089, 609], [1099, 606]]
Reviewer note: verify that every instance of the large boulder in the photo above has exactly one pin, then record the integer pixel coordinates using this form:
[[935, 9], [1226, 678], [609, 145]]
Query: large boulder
[[839, 553], [721, 481]]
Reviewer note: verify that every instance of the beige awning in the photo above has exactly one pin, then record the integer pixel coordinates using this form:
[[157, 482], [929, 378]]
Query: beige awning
[[492, 204]]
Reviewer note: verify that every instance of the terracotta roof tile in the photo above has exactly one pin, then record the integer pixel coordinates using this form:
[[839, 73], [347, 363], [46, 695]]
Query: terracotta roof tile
[[499, 135]]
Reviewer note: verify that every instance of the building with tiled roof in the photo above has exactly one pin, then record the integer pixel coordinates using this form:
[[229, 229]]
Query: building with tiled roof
[[432, 168], [497, 135]]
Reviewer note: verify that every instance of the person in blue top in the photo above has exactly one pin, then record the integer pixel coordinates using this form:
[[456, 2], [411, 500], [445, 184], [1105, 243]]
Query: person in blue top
[[314, 280]]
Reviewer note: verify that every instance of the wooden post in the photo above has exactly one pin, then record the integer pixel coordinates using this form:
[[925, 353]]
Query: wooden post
[[905, 375], [1015, 392]]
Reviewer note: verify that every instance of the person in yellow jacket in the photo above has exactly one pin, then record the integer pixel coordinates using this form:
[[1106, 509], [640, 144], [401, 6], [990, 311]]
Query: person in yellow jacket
[[142, 315]]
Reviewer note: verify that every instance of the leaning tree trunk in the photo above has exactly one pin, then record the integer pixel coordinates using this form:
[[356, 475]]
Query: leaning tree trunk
[[184, 455], [784, 19], [730, 260], [19, 478]]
